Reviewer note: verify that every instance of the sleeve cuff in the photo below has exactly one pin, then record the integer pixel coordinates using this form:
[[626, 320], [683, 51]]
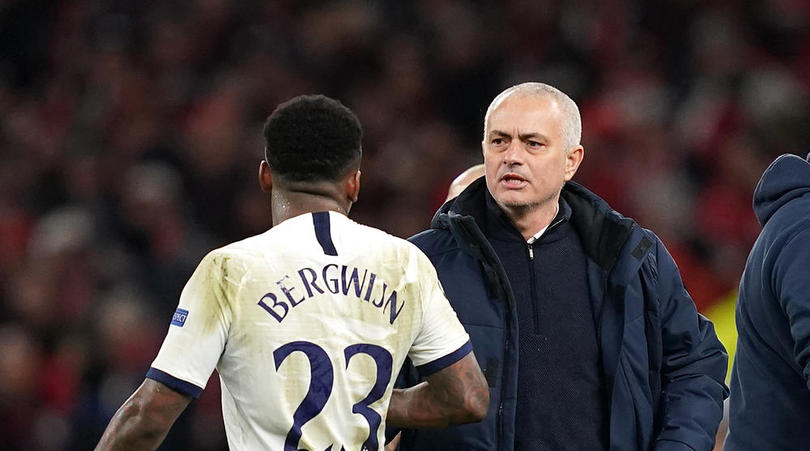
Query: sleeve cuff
[[174, 383], [443, 362]]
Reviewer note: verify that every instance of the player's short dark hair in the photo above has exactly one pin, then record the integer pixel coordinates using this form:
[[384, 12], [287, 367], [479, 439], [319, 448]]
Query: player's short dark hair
[[312, 138]]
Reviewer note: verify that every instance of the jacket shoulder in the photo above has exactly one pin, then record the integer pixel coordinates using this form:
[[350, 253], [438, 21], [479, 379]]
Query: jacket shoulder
[[434, 241]]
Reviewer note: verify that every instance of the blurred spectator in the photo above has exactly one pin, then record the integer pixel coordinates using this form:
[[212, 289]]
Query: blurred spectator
[[20, 403]]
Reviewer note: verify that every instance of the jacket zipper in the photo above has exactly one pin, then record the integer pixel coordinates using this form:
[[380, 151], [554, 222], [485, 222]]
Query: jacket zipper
[[533, 291], [533, 282]]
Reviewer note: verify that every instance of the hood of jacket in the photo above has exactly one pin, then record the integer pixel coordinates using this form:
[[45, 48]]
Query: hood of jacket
[[787, 178]]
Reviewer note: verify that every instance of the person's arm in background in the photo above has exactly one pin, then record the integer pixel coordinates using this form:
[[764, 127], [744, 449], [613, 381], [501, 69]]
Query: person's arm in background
[[693, 368], [144, 419], [456, 394]]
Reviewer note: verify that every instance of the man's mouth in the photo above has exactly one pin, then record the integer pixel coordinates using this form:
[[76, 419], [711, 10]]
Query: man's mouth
[[512, 180]]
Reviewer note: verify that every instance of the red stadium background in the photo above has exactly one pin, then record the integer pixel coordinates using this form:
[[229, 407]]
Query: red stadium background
[[130, 134]]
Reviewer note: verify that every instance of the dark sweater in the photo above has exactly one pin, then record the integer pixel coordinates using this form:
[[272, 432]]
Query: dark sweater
[[561, 403]]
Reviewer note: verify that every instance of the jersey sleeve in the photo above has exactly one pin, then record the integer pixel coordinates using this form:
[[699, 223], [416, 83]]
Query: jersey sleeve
[[441, 340], [198, 330]]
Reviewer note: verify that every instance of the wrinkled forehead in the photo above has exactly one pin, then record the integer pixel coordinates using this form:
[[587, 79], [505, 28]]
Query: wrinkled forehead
[[522, 110]]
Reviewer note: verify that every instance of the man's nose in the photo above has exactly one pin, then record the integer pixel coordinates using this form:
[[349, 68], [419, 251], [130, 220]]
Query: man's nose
[[514, 154]]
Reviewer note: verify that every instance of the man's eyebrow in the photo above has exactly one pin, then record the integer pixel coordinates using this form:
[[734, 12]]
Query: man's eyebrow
[[522, 136], [534, 135], [500, 133]]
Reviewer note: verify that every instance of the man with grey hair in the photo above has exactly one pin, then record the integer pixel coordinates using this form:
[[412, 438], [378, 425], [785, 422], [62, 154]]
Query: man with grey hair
[[578, 315]]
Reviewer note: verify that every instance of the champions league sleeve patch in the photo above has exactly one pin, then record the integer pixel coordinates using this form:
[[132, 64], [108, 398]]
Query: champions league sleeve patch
[[179, 317]]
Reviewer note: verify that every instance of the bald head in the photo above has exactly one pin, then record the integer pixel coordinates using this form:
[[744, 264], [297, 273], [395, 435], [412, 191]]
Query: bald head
[[572, 123], [463, 180]]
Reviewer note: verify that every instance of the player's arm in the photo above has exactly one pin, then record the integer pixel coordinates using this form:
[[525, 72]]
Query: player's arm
[[454, 395], [144, 419]]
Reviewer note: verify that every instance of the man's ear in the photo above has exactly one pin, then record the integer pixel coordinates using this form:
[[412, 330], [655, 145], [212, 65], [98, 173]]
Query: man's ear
[[353, 186], [265, 178], [572, 161]]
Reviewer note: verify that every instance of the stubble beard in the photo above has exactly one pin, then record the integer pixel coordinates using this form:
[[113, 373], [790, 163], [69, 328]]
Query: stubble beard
[[519, 209]]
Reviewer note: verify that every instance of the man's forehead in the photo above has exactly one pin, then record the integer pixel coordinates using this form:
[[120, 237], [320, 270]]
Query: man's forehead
[[524, 98], [527, 108]]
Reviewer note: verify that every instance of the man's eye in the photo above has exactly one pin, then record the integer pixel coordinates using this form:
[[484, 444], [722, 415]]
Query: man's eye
[[497, 141]]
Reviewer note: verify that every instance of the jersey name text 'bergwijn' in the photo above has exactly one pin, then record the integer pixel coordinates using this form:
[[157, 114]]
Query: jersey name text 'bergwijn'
[[334, 279]]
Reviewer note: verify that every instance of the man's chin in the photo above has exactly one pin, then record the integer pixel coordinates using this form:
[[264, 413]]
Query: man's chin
[[517, 204]]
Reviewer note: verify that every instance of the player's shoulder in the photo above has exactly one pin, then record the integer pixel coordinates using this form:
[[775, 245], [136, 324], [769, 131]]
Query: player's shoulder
[[380, 238], [414, 262], [233, 260], [244, 249]]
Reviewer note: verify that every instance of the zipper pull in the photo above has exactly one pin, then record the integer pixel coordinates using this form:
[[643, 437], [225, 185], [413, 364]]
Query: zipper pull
[[531, 252]]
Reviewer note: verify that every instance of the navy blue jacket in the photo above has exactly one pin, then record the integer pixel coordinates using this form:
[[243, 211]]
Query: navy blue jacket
[[770, 383], [662, 363]]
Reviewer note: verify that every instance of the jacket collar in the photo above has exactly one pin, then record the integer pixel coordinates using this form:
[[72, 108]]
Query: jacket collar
[[602, 230], [498, 226]]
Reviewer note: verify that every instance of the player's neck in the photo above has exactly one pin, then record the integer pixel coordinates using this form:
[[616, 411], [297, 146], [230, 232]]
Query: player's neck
[[289, 204]]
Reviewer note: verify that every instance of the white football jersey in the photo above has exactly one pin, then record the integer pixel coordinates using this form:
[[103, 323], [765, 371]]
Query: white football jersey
[[308, 325]]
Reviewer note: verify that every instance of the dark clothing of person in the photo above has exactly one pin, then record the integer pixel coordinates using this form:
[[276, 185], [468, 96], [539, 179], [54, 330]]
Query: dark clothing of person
[[660, 362], [769, 406], [559, 363]]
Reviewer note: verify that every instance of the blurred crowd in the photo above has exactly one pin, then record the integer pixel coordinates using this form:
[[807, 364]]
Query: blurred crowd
[[130, 136]]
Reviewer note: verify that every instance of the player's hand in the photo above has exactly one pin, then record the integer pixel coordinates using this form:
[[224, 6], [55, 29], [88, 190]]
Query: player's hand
[[393, 445]]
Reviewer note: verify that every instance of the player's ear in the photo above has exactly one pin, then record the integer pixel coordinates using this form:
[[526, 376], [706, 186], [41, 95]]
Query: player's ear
[[353, 185], [265, 178]]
